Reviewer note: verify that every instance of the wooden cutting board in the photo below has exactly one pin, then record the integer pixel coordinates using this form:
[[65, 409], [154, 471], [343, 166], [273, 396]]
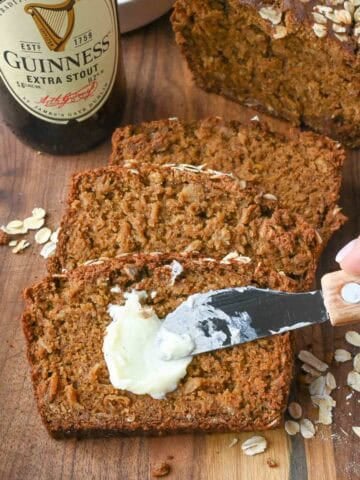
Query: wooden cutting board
[[159, 85]]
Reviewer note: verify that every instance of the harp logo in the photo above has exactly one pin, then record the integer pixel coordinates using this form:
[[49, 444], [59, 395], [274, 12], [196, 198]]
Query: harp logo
[[54, 22]]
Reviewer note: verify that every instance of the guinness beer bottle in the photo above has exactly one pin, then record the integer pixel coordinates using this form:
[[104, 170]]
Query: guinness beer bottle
[[61, 74]]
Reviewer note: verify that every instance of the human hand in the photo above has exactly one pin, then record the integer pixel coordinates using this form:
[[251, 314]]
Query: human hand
[[349, 257]]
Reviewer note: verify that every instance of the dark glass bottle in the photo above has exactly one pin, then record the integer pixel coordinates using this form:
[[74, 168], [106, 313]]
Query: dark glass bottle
[[62, 83]]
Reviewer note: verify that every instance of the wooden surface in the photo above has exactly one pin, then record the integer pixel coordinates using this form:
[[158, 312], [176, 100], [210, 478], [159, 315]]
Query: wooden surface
[[159, 85]]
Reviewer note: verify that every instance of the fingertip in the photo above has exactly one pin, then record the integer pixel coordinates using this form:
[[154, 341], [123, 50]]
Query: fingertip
[[349, 257]]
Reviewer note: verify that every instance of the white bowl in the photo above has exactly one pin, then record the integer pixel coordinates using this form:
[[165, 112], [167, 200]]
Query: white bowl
[[136, 13]]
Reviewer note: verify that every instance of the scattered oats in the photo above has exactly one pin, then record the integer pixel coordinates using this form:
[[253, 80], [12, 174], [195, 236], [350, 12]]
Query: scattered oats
[[319, 18], [13, 243], [38, 213], [90, 262], [317, 387], [335, 2], [185, 167], [292, 427], [342, 16], [338, 28], [330, 16], [235, 256], [330, 381], [233, 442], [270, 196], [255, 118], [353, 380], [21, 246], [357, 363], [325, 404], [307, 428], [295, 410], [269, 13], [15, 225], [323, 8], [307, 357], [216, 173], [55, 235], [319, 30], [356, 430], [173, 119], [350, 7], [254, 445], [242, 184], [33, 223], [349, 396], [307, 368], [342, 355], [130, 162], [42, 235], [48, 249], [341, 37], [345, 433], [115, 289], [14, 231], [353, 338], [94, 262], [280, 32], [153, 294]]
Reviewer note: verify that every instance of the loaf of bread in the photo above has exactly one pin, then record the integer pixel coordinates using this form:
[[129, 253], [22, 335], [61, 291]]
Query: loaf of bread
[[142, 208], [297, 60], [240, 388], [303, 170]]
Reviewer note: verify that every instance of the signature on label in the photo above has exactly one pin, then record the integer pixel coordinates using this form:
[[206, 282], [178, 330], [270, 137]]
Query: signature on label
[[71, 97]]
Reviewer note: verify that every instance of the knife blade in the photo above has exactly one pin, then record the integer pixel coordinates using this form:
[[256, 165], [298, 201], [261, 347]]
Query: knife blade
[[223, 318]]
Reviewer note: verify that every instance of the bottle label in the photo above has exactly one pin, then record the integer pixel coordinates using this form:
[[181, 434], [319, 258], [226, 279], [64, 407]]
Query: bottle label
[[58, 58]]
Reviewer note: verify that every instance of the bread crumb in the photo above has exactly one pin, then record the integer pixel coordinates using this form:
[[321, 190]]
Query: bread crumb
[[161, 470], [233, 442], [4, 238], [272, 463]]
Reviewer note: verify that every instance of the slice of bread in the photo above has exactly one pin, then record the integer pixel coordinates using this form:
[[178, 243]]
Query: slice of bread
[[241, 388], [303, 170], [117, 210]]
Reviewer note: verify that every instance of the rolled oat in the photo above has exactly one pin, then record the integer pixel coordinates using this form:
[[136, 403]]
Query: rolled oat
[[254, 445]]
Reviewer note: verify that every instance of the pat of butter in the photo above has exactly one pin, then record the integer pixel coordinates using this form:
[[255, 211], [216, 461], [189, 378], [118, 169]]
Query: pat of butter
[[173, 346], [132, 354]]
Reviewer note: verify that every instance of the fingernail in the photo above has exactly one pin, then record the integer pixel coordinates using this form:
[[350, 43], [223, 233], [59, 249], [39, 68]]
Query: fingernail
[[344, 251]]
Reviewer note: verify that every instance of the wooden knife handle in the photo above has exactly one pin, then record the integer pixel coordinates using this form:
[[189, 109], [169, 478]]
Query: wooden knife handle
[[341, 293]]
